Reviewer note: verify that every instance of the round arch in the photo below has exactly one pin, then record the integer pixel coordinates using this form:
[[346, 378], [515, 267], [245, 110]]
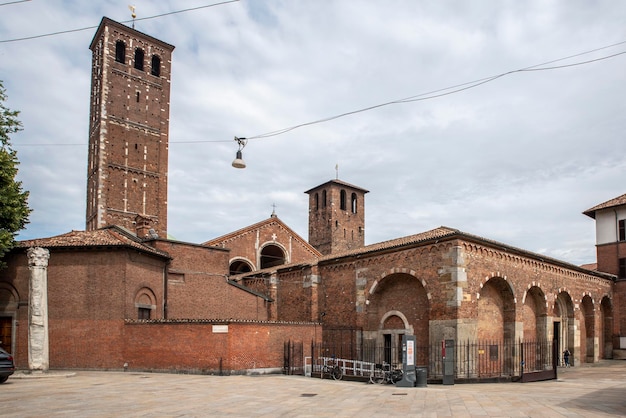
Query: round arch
[[239, 265], [564, 330], [9, 298], [9, 302], [397, 304], [587, 330], [606, 328], [535, 314], [387, 319], [272, 254], [397, 270], [145, 303], [496, 311]]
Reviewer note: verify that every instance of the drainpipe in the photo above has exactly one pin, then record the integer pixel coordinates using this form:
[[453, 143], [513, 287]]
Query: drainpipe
[[617, 244], [165, 269]]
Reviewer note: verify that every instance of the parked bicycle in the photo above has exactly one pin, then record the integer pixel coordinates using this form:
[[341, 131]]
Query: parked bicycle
[[383, 373], [332, 368]]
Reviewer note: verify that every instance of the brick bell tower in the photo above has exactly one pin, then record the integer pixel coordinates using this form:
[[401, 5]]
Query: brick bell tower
[[336, 217], [128, 130]]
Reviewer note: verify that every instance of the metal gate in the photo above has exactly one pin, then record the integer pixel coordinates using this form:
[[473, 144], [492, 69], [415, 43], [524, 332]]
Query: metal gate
[[540, 361], [293, 358]]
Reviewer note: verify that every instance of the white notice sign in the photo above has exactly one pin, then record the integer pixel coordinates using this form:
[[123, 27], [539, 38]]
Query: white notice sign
[[410, 353], [220, 329]]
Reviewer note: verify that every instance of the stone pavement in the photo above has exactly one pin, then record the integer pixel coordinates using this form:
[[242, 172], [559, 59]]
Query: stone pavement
[[588, 391]]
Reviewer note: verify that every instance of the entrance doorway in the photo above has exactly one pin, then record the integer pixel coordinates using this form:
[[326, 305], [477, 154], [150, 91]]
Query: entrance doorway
[[557, 339], [6, 333]]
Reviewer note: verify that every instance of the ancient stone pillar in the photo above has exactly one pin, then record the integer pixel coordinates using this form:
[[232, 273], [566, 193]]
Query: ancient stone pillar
[[38, 359]]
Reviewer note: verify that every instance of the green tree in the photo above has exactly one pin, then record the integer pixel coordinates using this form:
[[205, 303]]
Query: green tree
[[14, 208]]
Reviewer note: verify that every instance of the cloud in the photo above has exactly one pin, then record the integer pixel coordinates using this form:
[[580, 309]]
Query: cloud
[[516, 159]]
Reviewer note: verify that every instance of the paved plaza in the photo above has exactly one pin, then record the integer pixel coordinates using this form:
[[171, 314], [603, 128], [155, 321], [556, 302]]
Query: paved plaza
[[588, 391]]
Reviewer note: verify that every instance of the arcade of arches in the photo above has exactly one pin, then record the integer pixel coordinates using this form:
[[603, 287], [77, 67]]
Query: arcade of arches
[[443, 291]]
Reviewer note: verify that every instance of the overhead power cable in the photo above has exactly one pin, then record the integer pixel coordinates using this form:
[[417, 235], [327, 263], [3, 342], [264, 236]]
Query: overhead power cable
[[420, 97], [448, 90], [26, 38], [13, 2]]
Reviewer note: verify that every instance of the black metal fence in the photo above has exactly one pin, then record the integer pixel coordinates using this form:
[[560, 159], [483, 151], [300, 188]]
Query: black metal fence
[[293, 357], [473, 360]]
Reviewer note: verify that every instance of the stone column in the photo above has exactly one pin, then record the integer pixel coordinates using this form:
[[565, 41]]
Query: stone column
[[38, 358]]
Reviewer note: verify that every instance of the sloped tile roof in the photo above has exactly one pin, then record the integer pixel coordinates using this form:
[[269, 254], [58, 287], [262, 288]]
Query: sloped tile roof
[[440, 232], [436, 233], [590, 266], [273, 219], [618, 201], [339, 182], [105, 237]]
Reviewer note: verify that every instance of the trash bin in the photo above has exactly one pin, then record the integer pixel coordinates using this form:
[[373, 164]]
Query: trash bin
[[421, 374]]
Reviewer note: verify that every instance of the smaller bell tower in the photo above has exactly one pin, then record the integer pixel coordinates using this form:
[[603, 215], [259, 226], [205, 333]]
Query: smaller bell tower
[[336, 217]]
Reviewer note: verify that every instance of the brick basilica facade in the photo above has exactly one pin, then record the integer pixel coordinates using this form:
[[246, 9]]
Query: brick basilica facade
[[122, 295]]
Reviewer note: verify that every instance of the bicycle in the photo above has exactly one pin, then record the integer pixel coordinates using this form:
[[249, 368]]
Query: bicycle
[[383, 373], [331, 367]]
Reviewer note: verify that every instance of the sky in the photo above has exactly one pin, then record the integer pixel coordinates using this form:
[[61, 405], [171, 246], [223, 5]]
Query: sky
[[515, 158]]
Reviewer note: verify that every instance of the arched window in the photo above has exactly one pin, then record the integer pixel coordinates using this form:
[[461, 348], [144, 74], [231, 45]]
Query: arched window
[[353, 203], [272, 255], [317, 201], [155, 68], [120, 51], [239, 266], [324, 198], [139, 59], [145, 302], [342, 200]]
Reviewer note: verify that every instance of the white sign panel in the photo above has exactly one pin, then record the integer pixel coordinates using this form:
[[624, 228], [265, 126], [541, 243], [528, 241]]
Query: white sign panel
[[220, 329]]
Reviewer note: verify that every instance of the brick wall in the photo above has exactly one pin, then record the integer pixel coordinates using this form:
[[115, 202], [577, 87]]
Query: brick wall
[[333, 228], [129, 128], [472, 290], [198, 287], [247, 244], [608, 256], [197, 347], [90, 293]]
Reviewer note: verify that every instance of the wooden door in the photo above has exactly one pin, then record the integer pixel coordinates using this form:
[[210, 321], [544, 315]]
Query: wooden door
[[6, 331]]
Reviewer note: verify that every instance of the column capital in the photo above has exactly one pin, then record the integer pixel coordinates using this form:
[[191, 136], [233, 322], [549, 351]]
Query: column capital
[[38, 257]]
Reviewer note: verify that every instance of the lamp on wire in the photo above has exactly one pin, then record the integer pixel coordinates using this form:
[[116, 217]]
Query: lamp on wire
[[238, 162]]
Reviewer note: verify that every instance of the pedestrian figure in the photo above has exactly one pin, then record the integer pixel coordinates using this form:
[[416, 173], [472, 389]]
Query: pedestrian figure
[[566, 355]]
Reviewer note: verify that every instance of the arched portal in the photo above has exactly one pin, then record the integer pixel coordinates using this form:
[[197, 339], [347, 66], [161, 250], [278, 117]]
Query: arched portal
[[8, 312], [398, 305], [606, 328], [496, 311], [587, 330], [564, 325]]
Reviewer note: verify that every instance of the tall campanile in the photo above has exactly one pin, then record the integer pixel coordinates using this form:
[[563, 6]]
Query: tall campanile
[[128, 130]]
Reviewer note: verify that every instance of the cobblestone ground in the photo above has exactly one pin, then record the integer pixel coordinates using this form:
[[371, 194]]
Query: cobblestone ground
[[588, 391]]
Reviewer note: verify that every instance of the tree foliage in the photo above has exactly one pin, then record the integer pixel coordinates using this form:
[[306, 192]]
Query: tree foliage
[[14, 208]]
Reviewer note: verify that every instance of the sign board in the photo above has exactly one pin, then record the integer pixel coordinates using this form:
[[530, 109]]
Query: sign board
[[408, 362], [220, 329]]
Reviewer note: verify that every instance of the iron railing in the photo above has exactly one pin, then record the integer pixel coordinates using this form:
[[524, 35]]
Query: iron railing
[[473, 360]]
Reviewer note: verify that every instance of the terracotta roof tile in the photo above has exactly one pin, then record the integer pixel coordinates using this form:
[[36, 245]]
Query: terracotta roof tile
[[440, 232], [590, 266], [618, 201], [105, 237], [341, 183]]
